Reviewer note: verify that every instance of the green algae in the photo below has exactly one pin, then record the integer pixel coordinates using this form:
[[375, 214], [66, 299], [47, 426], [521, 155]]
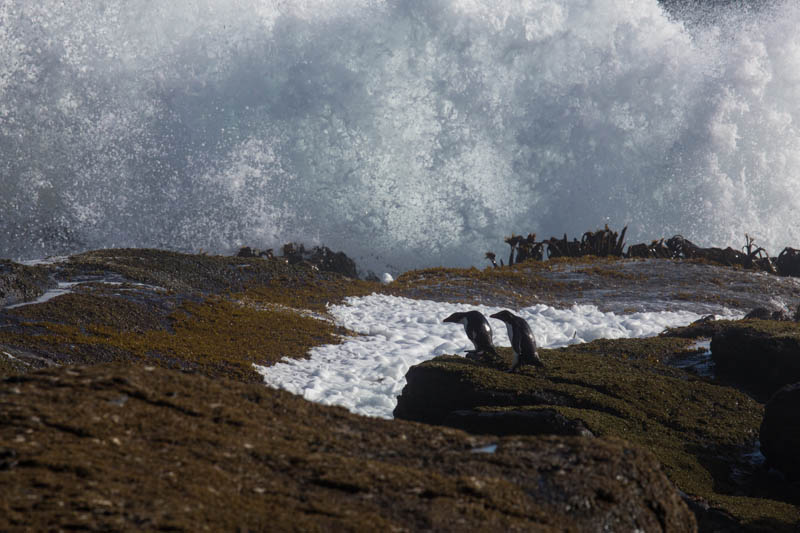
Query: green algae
[[84, 310], [313, 295], [517, 284], [211, 314], [216, 337]]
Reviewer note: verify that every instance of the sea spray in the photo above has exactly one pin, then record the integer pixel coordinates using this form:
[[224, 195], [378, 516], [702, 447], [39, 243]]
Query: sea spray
[[406, 133]]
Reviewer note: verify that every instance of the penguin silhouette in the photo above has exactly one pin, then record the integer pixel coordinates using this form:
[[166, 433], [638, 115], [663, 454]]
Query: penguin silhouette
[[522, 340]]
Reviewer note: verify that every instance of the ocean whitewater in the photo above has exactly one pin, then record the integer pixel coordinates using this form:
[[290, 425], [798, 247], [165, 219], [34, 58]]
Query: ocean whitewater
[[406, 133]]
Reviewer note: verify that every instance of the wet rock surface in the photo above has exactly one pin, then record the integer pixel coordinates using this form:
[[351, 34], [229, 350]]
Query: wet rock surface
[[780, 430], [618, 285], [143, 448]]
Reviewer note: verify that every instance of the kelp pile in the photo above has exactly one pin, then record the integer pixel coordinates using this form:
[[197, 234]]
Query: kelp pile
[[608, 243]]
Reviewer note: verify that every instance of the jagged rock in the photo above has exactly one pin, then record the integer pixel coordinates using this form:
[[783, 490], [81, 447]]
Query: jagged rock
[[322, 257], [152, 449], [760, 355], [780, 430]]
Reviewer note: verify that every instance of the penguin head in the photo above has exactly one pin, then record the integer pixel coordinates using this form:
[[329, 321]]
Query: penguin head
[[505, 316], [455, 317]]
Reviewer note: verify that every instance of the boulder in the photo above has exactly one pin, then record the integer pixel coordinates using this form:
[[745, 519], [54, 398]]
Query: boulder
[[144, 448], [780, 430], [759, 355]]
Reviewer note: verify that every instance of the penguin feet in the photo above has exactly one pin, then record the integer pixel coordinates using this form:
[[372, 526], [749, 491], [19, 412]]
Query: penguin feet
[[473, 355]]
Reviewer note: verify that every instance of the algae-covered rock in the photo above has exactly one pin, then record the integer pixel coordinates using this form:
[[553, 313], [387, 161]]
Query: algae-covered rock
[[780, 430], [143, 448], [210, 314], [21, 283], [761, 355], [702, 432]]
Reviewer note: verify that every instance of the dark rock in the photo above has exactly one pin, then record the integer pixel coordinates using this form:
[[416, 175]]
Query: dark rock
[[432, 392], [322, 257], [516, 422], [712, 519], [780, 430], [762, 313], [759, 355], [788, 262], [246, 251], [152, 449]]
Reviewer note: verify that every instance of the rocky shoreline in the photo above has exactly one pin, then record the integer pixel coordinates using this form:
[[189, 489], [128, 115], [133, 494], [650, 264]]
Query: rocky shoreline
[[167, 426]]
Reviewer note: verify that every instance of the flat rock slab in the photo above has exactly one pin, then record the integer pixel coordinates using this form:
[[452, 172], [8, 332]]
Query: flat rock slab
[[115, 447]]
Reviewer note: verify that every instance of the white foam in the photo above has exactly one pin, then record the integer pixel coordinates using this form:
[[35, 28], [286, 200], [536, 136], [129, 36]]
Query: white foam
[[366, 373]]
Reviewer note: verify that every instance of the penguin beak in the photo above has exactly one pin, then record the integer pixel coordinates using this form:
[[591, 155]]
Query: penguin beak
[[451, 318], [496, 316]]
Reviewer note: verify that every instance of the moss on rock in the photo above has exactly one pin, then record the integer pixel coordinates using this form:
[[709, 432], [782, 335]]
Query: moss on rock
[[155, 450], [21, 283], [699, 430], [215, 336]]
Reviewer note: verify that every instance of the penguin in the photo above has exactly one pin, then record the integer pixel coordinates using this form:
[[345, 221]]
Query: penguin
[[478, 330], [522, 340]]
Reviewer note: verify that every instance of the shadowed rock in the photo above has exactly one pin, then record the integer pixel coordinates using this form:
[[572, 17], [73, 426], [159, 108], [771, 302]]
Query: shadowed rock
[[780, 430], [760, 355], [515, 422]]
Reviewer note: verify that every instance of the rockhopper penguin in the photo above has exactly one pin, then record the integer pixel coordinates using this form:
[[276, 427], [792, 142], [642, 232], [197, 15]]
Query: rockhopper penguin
[[522, 340], [478, 330]]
